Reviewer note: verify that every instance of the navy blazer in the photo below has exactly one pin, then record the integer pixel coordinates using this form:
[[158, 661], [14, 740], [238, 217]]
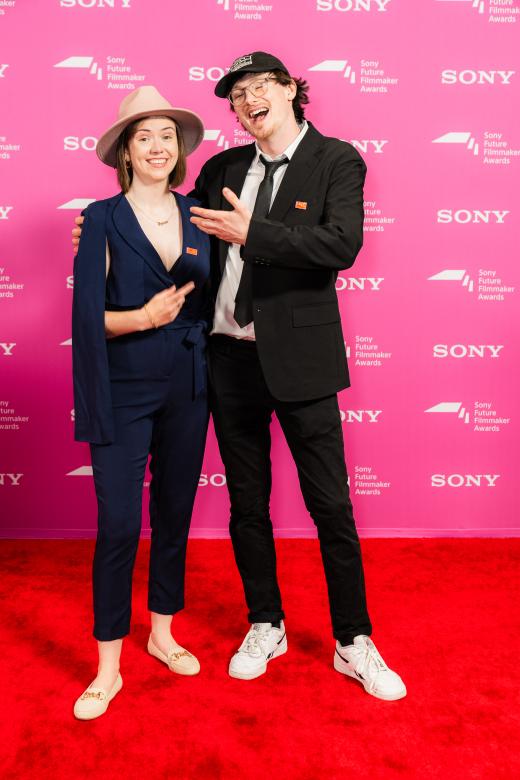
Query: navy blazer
[[136, 274]]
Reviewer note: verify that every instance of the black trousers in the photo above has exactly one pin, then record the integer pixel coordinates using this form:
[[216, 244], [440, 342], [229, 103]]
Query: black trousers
[[242, 408]]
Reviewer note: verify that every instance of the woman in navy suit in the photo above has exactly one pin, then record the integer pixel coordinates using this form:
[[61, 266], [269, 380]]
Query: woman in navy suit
[[139, 329]]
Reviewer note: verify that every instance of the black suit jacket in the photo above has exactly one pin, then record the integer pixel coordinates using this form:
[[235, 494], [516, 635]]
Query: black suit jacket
[[314, 230]]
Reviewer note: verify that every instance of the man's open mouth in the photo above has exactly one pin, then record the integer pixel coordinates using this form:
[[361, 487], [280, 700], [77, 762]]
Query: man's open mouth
[[258, 114]]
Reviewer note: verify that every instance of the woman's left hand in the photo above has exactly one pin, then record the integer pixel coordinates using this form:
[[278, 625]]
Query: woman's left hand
[[165, 306]]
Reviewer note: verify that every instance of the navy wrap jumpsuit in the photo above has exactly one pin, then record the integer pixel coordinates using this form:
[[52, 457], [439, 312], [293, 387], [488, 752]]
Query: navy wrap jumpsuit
[[137, 395]]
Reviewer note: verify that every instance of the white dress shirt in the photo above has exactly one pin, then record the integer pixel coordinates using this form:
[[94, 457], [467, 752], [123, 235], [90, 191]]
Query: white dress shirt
[[224, 321]]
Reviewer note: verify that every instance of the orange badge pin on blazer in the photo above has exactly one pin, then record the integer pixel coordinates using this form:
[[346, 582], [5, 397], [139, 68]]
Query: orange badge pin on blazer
[[191, 251], [300, 204]]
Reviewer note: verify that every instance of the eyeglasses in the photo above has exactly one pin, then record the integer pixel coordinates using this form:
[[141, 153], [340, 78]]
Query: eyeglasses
[[257, 89]]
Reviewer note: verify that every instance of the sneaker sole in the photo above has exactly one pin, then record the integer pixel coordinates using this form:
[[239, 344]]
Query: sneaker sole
[[343, 668], [253, 675]]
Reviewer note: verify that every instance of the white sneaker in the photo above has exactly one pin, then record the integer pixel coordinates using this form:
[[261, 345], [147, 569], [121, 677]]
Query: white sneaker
[[363, 662], [262, 642]]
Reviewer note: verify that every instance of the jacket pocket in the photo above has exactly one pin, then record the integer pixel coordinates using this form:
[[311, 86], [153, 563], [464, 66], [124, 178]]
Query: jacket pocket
[[315, 314]]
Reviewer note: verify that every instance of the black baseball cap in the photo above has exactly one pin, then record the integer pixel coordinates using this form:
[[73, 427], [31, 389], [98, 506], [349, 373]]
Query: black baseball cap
[[256, 62]]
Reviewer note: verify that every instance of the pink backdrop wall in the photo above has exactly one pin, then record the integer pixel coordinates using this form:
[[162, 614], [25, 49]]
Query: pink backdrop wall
[[427, 90]]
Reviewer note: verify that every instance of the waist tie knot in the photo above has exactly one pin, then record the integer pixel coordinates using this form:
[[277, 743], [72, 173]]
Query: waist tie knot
[[195, 339]]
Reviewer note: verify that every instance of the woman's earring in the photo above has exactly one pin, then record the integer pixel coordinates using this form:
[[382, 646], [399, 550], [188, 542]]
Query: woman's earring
[[128, 163]]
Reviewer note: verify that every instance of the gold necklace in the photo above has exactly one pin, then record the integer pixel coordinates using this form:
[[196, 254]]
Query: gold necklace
[[158, 222]]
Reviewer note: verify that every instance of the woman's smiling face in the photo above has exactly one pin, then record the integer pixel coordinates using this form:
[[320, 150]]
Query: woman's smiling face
[[153, 150]]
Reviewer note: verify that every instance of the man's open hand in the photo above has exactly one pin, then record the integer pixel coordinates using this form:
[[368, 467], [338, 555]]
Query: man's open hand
[[230, 226]]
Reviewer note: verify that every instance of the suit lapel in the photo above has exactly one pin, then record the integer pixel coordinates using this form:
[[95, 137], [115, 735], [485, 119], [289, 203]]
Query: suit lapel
[[298, 173], [234, 177], [131, 232]]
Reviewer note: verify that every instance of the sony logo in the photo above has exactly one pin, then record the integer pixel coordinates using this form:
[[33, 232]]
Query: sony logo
[[10, 479], [198, 73], [7, 349], [216, 480], [71, 143], [95, 3], [467, 350], [352, 5], [360, 415], [464, 480], [359, 283], [464, 216], [467, 77], [367, 145]]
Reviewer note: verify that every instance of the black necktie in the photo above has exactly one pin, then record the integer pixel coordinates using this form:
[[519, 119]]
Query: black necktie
[[243, 313]]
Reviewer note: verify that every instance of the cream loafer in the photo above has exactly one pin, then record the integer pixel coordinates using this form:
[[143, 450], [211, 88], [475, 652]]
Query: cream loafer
[[94, 701], [179, 661]]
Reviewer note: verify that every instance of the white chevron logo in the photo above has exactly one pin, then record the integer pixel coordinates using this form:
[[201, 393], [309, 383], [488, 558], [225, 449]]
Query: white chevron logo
[[336, 66], [83, 63], [458, 138], [453, 275], [77, 203], [450, 407], [224, 4], [477, 4], [83, 471], [215, 135]]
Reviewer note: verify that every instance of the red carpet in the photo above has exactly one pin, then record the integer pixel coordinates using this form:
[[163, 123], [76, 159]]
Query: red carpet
[[445, 614]]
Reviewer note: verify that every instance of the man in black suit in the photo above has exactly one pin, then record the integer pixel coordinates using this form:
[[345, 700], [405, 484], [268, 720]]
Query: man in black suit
[[285, 214]]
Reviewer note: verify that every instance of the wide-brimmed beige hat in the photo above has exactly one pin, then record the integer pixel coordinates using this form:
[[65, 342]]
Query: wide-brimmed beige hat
[[147, 101]]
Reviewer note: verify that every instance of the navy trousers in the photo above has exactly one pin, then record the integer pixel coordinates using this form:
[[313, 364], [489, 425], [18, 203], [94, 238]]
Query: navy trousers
[[165, 416]]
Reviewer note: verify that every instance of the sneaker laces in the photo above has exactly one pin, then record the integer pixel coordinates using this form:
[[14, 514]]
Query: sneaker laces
[[252, 644], [370, 660]]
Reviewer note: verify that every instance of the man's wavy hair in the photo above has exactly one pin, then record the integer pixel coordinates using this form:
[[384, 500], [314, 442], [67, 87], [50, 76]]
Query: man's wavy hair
[[301, 98]]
